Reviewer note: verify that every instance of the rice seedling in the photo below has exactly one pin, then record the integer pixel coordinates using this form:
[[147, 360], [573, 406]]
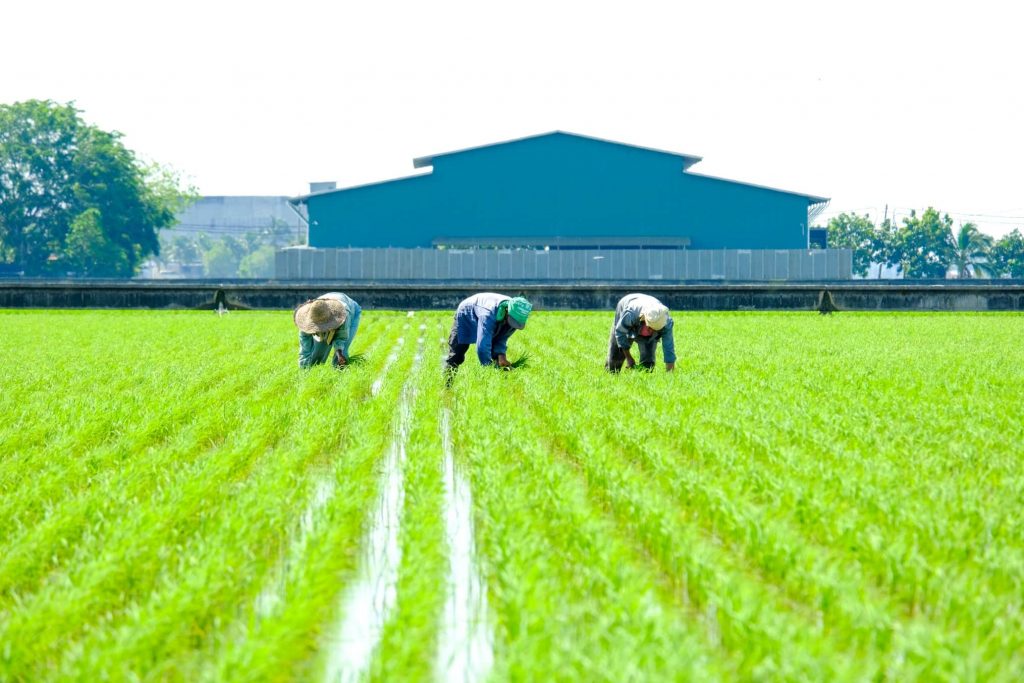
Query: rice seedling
[[805, 498]]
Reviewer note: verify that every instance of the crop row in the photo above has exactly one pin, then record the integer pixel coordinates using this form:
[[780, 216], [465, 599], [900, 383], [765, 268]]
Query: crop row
[[805, 497]]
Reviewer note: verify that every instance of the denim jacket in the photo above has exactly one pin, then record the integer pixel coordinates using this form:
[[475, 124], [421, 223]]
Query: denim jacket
[[477, 323]]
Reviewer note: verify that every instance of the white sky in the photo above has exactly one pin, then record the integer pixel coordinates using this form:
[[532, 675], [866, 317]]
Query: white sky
[[870, 103]]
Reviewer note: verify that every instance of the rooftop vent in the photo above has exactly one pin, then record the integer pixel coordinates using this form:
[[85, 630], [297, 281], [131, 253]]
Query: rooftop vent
[[322, 187]]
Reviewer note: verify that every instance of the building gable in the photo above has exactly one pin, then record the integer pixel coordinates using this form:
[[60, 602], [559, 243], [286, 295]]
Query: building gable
[[544, 145], [560, 185]]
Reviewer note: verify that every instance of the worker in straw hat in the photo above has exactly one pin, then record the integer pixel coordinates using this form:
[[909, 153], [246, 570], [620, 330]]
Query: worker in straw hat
[[327, 322], [645, 320], [487, 320]]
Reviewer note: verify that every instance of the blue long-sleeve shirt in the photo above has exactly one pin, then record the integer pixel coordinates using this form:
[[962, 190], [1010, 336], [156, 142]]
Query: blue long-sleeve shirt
[[477, 323], [627, 325], [312, 352]]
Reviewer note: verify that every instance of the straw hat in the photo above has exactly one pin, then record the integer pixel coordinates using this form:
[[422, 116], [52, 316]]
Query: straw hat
[[655, 315], [320, 315]]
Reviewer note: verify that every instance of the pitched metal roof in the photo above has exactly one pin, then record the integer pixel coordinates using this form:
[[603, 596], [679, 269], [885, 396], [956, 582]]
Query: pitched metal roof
[[688, 159], [811, 199]]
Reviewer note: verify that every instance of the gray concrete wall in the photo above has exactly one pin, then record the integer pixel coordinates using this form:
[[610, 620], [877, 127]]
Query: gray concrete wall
[[920, 296], [576, 265]]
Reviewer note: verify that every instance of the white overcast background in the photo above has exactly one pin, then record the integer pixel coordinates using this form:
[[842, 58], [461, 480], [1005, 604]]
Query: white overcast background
[[908, 104]]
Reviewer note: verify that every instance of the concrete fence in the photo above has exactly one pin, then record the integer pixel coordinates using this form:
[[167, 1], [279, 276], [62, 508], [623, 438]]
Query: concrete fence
[[575, 265], [943, 295]]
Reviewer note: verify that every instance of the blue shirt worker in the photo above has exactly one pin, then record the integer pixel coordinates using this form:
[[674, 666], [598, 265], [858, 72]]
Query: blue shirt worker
[[487, 320], [325, 323], [645, 320]]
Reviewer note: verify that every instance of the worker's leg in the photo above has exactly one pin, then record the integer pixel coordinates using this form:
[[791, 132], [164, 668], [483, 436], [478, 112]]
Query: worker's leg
[[615, 355], [456, 351], [647, 348]]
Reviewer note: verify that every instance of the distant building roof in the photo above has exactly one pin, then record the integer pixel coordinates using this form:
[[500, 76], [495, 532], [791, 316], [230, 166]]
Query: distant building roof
[[811, 199], [688, 160], [421, 162], [236, 214]]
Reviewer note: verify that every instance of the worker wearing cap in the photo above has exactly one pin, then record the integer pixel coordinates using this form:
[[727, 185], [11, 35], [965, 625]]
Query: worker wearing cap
[[645, 320], [487, 320], [327, 322]]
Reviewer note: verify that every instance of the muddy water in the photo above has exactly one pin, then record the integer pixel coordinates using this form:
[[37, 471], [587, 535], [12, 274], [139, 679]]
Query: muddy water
[[388, 362], [466, 646], [371, 597]]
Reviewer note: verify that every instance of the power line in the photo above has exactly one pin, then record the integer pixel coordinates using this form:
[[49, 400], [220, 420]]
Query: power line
[[227, 226]]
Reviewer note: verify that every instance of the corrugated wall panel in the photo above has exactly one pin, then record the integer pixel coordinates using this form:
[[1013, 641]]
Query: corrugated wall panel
[[743, 264], [730, 264], [819, 265], [565, 265]]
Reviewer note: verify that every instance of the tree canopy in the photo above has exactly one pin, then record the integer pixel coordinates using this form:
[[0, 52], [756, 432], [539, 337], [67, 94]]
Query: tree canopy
[[851, 231], [1007, 255], [250, 255], [969, 250], [73, 198], [926, 246], [922, 244]]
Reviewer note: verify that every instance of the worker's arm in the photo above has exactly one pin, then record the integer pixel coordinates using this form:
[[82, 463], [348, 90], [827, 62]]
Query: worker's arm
[[305, 349], [341, 334], [668, 345], [628, 320], [340, 340], [499, 346], [485, 336]]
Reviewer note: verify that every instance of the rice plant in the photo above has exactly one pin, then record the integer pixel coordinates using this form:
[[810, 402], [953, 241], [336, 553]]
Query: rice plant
[[805, 498]]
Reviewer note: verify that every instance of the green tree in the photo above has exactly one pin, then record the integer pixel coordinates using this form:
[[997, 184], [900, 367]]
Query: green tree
[[88, 251], [279, 233], [54, 167], [968, 251], [1007, 255], [182, 249], [236, 246], [922, 246], [221, 260], [852, 231], [259, 263], [37, 143], [204, 242], [884, 245]]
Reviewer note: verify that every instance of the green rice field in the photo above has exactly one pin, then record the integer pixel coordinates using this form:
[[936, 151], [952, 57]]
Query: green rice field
[[806, 498]]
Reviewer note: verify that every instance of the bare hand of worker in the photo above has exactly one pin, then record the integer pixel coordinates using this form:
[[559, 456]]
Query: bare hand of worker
[[340, 357], [629, 360], [669, 367], [503, 362]]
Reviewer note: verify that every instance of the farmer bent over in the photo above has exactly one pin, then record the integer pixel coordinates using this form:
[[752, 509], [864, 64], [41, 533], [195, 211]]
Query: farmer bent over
[[487, 320], [645, 320], [328, 322]]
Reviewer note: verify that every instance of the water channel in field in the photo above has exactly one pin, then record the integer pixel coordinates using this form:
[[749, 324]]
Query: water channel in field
[[370, 599]]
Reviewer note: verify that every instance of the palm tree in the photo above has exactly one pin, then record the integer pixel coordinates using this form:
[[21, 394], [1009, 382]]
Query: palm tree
[[968, 251]]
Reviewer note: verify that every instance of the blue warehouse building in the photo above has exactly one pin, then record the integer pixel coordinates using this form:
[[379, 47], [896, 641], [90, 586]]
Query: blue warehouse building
[[555, 191]]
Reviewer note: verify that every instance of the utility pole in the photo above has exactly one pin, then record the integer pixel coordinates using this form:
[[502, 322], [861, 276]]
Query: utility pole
[[885, 217]]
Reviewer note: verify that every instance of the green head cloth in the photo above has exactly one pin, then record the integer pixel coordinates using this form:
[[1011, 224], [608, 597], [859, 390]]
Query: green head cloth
[[518, 311]]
